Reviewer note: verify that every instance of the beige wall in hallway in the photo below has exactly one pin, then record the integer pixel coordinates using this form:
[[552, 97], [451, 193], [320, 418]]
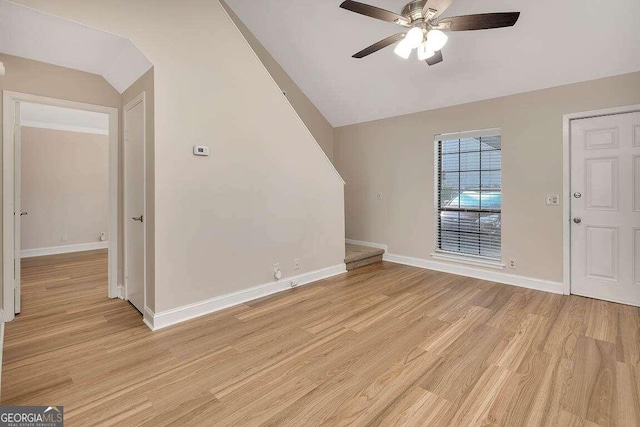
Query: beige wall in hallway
[[65, 187], [395, 156], [33, 77], [320, 128], [266, 194]]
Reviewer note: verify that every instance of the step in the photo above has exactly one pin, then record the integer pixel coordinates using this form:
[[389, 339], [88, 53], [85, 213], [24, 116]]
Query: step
[[359, 256]]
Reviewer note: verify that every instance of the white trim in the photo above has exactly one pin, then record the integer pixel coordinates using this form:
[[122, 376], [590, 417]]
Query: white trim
[[470, 260], [140, 98], [285, 97], [54, 250], [69, 128], [166, 318], [1, 344], [9, 101], [566, 181], [492, 276], [148, 318], [469, 134], [367, 244]]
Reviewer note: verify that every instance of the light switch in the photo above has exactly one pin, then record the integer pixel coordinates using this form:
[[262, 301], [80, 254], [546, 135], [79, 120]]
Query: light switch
[[553, 199]]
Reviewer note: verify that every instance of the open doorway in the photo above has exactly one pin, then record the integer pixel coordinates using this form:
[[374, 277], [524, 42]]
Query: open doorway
[[60, 192]]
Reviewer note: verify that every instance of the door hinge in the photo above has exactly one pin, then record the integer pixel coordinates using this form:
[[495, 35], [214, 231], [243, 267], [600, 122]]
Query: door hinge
[[126, 273]]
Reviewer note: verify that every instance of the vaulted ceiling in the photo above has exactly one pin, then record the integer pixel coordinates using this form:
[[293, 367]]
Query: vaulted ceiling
[[555, 42], [32, 34]]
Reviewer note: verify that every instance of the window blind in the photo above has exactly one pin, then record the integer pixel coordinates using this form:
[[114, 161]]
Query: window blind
[[469, 194]]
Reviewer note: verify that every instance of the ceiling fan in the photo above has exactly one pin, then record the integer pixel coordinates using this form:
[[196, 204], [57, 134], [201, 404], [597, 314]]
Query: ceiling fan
[[426, 32]]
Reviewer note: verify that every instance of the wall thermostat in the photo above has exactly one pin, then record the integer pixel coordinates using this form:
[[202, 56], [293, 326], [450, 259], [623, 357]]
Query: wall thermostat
[[201, 150]]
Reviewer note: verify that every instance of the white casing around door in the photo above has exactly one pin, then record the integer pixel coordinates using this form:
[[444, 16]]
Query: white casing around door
[[605, 208], [134, 151]]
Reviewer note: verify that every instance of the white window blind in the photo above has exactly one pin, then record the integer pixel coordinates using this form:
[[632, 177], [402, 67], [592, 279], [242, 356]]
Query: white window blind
[[469, 194]]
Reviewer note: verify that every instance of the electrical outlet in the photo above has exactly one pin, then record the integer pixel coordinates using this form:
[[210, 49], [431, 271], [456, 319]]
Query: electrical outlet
[[296, 264], [277, 273], [379, 196], [64, 238], [513, 263], [294, 283]]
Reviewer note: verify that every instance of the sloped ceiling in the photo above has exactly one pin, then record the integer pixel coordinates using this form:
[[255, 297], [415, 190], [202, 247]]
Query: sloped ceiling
[[36, 35], [554, 43]]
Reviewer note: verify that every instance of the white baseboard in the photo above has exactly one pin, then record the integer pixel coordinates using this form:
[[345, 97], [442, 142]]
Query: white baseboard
[[166, 318], [477, 273], [54, 250], [367, 244]]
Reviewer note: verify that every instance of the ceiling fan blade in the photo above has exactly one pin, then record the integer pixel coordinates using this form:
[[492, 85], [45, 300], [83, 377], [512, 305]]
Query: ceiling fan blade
[[483, 21], [435, 59], [374, 12], [438, 6], [379, 45]]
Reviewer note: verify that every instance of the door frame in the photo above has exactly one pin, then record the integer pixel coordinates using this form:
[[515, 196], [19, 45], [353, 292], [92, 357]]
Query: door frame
[[566, 186], [8, 189], [140, 98]]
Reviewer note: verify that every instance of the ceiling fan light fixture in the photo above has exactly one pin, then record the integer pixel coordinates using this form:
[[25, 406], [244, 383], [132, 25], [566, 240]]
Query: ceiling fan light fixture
[[414, 37], [436, 40], [424, 52], [403, 49]]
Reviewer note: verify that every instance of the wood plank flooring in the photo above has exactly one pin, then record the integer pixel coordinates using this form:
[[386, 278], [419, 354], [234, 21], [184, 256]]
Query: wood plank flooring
[[382, 345]]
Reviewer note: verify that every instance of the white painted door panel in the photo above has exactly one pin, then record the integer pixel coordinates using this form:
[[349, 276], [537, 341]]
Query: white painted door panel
[[17, 208], [605, 208], [134, 204]]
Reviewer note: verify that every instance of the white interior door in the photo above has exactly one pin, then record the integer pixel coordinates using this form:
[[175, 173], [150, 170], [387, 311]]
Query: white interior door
[[605, 208], [17, 205], [134, 202]]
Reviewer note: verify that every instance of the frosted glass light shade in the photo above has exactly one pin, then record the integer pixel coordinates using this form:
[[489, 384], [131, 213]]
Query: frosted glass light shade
[[436, 40], [414, 37], [403, 49], [424, 52]]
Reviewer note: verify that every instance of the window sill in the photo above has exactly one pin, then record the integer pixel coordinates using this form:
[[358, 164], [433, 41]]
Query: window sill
[[461, 259]]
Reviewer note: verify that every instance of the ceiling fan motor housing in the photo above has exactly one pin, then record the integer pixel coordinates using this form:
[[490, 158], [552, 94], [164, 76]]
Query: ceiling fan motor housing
[[413, 11]]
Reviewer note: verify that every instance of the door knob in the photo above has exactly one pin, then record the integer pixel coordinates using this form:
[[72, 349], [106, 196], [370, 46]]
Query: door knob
[[138, 218], [24, 213], [577, 195], [577, 220]]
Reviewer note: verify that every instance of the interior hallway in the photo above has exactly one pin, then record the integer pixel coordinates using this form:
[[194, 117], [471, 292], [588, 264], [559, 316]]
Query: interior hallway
[[384, 344]]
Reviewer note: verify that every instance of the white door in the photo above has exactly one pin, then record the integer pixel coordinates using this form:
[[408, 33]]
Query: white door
[[605, 208], [17, 210], [134, 149]]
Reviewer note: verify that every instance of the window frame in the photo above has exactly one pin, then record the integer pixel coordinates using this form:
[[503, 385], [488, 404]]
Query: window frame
[[451, 256]]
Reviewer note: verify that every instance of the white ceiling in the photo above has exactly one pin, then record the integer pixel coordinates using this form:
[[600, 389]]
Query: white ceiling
[[555, 42], [60, 118], [36, 35]]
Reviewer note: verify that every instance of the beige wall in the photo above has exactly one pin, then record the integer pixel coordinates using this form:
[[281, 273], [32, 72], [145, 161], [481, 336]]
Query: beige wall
[[396, 157], [266, 194], [315, 121], [144, 84], [32, 77], [65, 183]]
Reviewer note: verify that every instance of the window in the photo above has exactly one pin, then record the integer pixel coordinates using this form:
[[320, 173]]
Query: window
[[469, 194]]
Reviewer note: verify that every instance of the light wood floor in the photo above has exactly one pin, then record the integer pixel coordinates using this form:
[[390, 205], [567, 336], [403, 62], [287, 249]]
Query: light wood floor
[[382, 345]]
